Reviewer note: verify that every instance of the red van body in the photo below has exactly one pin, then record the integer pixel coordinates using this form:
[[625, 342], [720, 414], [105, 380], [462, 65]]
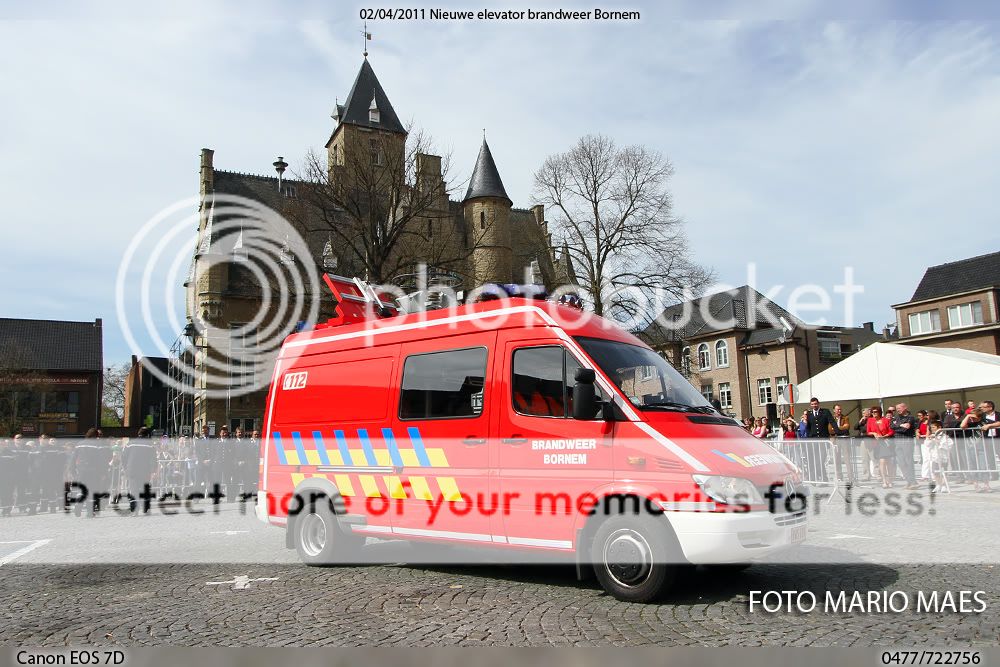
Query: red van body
[[409, 421]]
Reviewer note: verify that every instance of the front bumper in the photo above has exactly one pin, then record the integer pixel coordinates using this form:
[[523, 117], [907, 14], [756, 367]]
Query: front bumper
[[726, 537]]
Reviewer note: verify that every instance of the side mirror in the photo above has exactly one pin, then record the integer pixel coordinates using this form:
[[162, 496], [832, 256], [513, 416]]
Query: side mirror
[[585, 394]]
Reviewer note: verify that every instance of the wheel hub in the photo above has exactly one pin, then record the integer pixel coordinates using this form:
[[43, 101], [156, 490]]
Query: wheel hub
[[628, 557], [313, 535]]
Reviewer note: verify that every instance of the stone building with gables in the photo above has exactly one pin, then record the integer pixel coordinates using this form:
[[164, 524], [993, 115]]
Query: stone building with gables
[[477, 238]]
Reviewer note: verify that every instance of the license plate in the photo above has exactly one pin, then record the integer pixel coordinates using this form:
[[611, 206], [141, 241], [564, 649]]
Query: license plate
[[799, 534]]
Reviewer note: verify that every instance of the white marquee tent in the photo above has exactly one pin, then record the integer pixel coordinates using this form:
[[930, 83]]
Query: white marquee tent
[[889, 370]]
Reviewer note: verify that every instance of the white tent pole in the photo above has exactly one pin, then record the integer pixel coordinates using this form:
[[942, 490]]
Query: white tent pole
[[878, 379]]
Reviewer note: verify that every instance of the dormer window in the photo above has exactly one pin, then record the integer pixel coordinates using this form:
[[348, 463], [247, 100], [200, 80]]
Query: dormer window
[[329, 257], [373, 115]]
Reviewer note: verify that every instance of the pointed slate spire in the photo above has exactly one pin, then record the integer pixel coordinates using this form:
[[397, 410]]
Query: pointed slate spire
[[366, 94], [485, 181]]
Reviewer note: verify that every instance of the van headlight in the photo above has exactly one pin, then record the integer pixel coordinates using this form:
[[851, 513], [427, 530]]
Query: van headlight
[[729, 490]]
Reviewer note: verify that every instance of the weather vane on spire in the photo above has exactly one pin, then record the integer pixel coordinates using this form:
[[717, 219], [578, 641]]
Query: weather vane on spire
[[368, 38]]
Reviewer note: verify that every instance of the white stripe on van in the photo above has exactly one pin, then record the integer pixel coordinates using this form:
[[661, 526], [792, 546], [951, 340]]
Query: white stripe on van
[[468, 537]]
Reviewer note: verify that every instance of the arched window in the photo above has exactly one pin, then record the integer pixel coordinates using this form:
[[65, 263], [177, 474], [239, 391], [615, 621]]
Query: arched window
[[721, 354], [686, 361], [704, 359]]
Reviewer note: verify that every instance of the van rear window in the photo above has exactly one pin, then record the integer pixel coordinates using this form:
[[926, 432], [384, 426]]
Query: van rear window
[[443, 385]]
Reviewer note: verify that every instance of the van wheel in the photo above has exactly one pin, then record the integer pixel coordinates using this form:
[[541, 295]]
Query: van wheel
[[320, 540], [633, 557]]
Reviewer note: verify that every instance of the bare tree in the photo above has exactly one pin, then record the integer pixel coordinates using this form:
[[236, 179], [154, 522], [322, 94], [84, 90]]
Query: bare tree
[[385, 206], [16, 386], [614, 212], [113, 398]]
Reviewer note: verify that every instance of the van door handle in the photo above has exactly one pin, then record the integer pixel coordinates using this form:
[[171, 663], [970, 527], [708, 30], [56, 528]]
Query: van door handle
[[473, 442], [514, 441]]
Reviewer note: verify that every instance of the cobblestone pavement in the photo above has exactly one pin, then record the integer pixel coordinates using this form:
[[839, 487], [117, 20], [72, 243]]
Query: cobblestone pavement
[[403, 605], [64, 581]]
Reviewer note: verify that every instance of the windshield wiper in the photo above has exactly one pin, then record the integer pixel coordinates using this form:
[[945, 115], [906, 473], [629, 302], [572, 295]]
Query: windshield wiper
[[682, 407]]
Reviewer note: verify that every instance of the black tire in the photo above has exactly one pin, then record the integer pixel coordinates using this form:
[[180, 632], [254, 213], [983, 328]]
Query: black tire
[[321, 540], [649, 557], [727, 569]]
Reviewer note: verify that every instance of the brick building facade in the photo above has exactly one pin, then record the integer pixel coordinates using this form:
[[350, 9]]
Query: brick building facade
[[955, 305], [51, 376], [743, 349]]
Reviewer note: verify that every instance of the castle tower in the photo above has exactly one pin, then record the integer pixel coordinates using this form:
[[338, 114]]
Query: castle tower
[[486, 208], [368, 132]]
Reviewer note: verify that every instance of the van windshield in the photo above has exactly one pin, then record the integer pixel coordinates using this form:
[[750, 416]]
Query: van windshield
[[644, 376]]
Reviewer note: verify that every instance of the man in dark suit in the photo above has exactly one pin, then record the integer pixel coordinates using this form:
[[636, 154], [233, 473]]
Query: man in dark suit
[[820, 422], [820, 425]]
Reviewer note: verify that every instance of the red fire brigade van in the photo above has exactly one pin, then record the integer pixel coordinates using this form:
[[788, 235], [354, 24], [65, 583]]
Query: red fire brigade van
[[516, 424]]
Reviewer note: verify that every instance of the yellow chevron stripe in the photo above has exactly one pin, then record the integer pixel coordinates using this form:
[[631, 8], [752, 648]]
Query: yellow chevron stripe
[[312, 457], [420, 488], [395, 487], [292, 457], [449, 489], [335, 458], [437, 458], [344, 484], [297, 478], [409, 457], [369, 486]]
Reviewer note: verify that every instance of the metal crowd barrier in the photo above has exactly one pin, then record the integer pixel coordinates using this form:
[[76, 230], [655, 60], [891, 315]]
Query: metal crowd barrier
[[33, 480], [971, 457]]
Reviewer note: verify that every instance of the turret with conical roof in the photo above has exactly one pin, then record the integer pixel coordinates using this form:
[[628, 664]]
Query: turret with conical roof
[[487, 213], [367, 126]]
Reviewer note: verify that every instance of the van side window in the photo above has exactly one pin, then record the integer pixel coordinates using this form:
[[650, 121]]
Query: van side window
[[543, 381], [443, 385]]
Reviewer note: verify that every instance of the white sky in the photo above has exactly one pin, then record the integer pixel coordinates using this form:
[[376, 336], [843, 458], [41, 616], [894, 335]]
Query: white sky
[[804, 146]]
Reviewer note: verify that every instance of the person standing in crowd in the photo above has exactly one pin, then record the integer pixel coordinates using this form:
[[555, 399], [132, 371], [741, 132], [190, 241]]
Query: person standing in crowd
[[789, 429], [869, 464], [760, 430], [904, 428], [975, 447], [819, 421], [819, 426], [990, 419], [840, 429], [950, 422], [939, 446], [954, 418], [923, 432], [203, 459], [219, 457], [880, 429], [947, 408], [970, 407], [138, 466]]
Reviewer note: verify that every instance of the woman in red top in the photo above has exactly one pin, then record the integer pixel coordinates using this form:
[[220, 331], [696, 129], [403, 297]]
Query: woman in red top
[[880, 429]]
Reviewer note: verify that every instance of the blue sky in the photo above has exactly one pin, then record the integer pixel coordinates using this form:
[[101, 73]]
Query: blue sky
[[804, 145]]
